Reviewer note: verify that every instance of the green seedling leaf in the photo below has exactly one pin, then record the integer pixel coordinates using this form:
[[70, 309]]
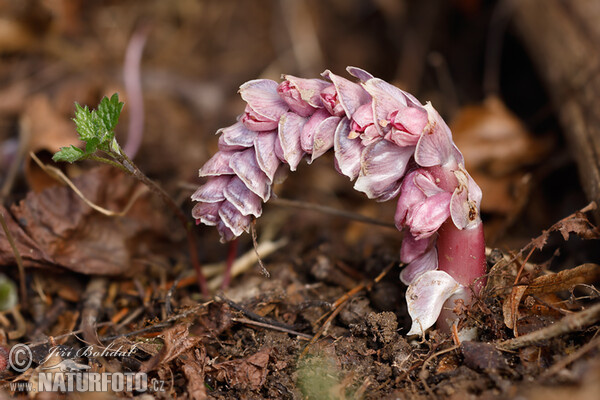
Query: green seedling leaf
[[108, 113], [69, 154]]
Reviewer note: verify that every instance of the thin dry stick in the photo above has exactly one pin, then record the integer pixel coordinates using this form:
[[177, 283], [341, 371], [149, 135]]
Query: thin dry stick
[[273, 327], [331, 211], [60, 176], [94, 294], [570, 323], [13, 245], [592, 344]]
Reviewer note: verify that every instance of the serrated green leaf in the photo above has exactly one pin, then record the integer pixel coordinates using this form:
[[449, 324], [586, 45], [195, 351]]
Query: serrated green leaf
[[91, 145], [108, 114], [85, 122], [69, 154]]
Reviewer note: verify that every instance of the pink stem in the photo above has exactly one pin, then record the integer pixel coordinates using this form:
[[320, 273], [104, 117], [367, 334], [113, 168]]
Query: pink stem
[[461, 253]]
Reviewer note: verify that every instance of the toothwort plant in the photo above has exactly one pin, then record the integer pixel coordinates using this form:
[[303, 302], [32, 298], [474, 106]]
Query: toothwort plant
[[385, 140]]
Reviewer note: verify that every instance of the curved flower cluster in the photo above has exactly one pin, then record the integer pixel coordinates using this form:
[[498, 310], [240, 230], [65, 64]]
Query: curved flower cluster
[[382, 137]]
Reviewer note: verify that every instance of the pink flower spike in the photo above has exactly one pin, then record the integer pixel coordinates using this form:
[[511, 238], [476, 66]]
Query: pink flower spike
[[246, 202], [329, 97], [217, 165], [425, 297], [256, 122], [435, 147], [349, 94], [246, 168], [386, 100], [308, 130], [412, 248], [324, 136], [225, 232], [290, 128], [407, 126], [347, 151], [212, 190], [363, 125], [427, 261], [302, 95], [382, 166]]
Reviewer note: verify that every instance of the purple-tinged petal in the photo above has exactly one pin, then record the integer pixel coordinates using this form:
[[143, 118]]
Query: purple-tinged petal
[[290, 128], [218, 164], [359, 73], [407, 126], [262, 97], [413, 248], [464, 205], [330, 99], [279, 150], [207, 213], [225, 147], [435, 147], [302, 95], [266, 157], [238, 135], [347, 151], [212, 190], [427, 261], [246, 168], [382, 166], [349, 94], [410, 195], [246, 202], [308, 130], [233, 219], [256, 122], [427, 183], [425, 218], [386, 99], [323, 137], [425, 297], [225, 232]]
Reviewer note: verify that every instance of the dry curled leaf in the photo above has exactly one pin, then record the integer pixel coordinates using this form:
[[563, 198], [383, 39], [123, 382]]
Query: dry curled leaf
[[249, 372], [177, 340], [55, 227]]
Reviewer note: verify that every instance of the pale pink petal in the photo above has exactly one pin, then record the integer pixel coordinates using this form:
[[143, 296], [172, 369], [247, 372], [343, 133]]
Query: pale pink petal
[[425, 297], [225, 232], [212, 190], [386, 99], [233, 219], [331, 101], [425, 218], [225, 147], [324, 136], [426, 182], [218, 164], [242, 198], [256, 122], [359, 73], [413, 248], [207, 213], [382, 166], [427, 261], [407, 126], [410, 195], [302, 95], [290, 128], [308, 130], [435, 146], [238, 135], [261, 95], [245, 166], [347, 151], [349, 94], [266, 157]]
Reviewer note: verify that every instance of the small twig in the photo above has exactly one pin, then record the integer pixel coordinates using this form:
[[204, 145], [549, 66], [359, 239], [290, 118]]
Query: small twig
[[93, 296], [331, 211], [255, 245], [591, 345], [13, 245], [59, 175], [170, 293], [568, 324], [273, 327], [252, 315]]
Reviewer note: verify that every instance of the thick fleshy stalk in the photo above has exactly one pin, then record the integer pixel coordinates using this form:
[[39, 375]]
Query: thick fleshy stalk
[[385, 140]]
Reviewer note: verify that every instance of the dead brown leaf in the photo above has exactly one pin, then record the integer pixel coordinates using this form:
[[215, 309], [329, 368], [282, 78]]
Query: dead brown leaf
[[249, 372], [55, 227], [193, 368], [177, 340]]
